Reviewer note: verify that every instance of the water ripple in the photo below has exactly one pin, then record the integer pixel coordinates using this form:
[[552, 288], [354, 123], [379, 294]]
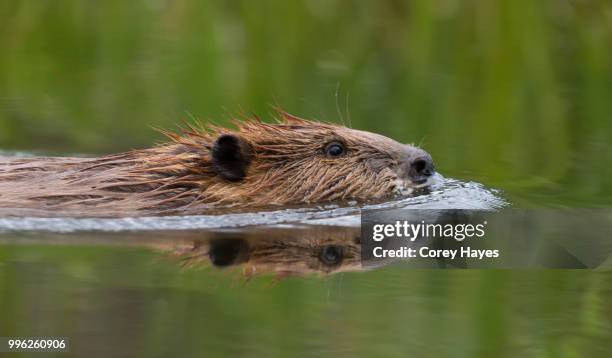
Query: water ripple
[[445, 194]]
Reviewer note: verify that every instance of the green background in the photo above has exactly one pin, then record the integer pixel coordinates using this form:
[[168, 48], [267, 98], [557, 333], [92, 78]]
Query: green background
[[513, 94]]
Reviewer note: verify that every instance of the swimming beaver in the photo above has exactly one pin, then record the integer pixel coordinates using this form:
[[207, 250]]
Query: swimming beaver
[[289, 162]]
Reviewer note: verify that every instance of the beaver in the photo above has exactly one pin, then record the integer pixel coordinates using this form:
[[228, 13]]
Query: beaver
[[203, 168]]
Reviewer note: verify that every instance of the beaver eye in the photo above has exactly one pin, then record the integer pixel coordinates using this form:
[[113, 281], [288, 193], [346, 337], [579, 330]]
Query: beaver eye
[[331, 255], [334, 149]]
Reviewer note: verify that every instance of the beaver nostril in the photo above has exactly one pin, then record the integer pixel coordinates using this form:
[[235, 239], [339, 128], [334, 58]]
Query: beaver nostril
[[419, 165], [423, 167]]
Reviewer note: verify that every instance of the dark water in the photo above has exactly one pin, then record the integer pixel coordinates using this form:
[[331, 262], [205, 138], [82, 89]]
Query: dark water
[[511, 95]]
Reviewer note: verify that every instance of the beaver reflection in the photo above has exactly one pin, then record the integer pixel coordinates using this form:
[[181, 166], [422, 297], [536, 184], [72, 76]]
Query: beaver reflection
[[228, 252], [321, 251]]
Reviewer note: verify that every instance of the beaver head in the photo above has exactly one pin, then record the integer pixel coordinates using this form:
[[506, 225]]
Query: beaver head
[[303, 161], [290, 162]]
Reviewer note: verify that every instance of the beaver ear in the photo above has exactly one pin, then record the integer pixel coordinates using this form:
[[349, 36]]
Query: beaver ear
[[231, 156], [228, 252]]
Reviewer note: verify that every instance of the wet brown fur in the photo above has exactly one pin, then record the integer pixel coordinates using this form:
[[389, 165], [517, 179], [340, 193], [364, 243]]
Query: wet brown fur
[[288, 167]]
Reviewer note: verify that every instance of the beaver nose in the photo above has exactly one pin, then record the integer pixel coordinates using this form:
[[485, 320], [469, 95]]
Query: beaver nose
[[416, 165], [421, 169]]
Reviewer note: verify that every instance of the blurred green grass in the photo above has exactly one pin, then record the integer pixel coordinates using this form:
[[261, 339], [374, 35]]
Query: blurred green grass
[[515, 94]]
